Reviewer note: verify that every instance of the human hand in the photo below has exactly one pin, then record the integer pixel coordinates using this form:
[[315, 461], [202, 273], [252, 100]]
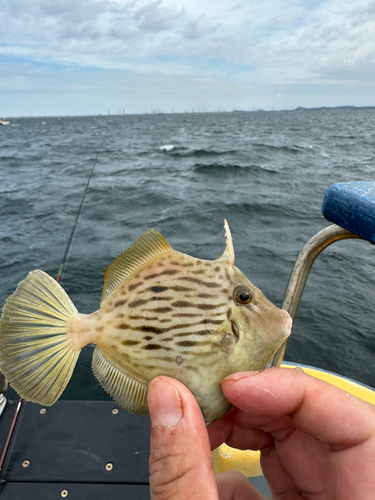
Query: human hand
[[316, 441], [180, 455]]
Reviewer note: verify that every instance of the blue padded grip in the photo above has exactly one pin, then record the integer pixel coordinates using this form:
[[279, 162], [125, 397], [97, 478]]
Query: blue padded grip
[[351, 205]]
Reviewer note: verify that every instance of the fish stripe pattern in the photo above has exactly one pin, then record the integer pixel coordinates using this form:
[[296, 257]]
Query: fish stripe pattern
[[162, 313]]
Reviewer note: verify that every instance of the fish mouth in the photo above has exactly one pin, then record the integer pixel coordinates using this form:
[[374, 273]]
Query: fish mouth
[[235, 330]]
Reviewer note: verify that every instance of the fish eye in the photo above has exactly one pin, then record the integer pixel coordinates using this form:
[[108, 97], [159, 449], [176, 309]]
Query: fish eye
[[242, 295]]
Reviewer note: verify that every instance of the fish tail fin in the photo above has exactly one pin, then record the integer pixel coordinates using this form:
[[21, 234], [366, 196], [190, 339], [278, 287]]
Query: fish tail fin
[[36, 354]]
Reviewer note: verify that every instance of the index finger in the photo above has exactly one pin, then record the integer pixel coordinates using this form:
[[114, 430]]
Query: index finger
[[313, 406]]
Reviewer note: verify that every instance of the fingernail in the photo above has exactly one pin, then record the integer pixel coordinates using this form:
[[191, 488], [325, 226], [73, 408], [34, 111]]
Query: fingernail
[[164, 404]]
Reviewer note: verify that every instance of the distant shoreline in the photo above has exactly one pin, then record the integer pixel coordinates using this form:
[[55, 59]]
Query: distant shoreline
[[300, 108]]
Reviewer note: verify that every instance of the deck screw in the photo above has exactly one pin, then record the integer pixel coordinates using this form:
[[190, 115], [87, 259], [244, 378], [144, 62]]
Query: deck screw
[[25, 463], [108, 466], [115, 411], [43, 411], [64, 493]]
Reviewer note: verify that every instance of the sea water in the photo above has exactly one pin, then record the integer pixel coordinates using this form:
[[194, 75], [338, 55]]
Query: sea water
[[182, 174]]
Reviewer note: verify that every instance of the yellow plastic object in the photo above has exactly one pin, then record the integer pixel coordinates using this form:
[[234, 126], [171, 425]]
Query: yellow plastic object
[[225, 458], [246, 461], [351, 386]]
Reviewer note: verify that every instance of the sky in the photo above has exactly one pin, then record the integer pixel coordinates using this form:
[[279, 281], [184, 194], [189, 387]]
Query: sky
[[89, 57]]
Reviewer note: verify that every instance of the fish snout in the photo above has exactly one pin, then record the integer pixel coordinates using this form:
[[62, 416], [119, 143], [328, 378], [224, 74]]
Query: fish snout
[[287, 322]]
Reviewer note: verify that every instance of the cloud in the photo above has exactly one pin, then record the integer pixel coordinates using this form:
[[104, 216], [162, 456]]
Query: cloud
[[257, 42], [268, 34]]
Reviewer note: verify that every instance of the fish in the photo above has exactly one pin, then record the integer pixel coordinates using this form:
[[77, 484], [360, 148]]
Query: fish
[[162, 312]]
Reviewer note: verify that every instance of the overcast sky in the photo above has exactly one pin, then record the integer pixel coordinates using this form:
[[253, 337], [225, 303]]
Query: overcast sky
[[83, 57]]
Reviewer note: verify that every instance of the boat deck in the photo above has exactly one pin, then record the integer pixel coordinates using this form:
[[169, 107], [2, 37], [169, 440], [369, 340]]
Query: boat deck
[[76, 450], [82, 450]]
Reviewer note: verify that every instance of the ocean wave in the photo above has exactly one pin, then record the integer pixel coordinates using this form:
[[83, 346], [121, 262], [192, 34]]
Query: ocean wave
[[200, 152], [283, 149], [266, 209], [228, 168], [167, 147], [9, 189], [13, 206], [260, 174]]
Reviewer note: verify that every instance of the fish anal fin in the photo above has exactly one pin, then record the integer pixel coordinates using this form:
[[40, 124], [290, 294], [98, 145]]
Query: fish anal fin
[[127, 392], [147, 247]]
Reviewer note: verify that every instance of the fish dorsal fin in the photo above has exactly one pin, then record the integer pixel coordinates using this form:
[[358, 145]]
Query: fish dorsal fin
[[127, 392], [148, 246], [228, 255]]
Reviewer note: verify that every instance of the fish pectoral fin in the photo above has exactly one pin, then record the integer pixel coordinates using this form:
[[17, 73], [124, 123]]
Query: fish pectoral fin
[[215, 337], [148, 246], [127, 392]]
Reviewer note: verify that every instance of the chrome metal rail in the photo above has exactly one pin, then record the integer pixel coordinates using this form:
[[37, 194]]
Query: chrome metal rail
[[300, 272]]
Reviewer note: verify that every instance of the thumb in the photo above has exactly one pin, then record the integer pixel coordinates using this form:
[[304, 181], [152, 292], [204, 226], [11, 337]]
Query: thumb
[[180, 456]]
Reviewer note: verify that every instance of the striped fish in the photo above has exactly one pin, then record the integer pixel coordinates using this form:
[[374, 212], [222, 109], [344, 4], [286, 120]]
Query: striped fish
[[161, 312]]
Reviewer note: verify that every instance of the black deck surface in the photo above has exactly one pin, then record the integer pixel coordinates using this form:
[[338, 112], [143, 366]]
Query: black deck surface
[[91, 449], [78, 450]]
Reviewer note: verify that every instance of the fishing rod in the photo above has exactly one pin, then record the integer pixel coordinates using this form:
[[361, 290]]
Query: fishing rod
[[65, 256], [19, 406]]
